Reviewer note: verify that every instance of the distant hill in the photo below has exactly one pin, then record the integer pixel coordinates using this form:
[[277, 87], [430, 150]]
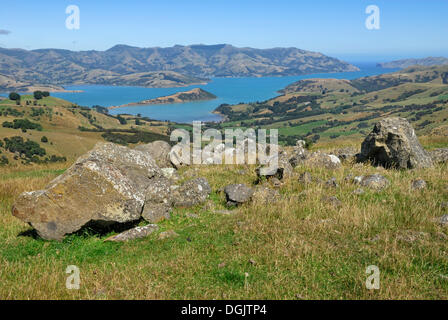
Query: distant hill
[[173, 66], [330, 109], [405, 63], [9, 83], [196, 94]]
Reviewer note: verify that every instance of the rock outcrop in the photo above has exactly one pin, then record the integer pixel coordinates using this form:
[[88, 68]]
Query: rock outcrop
[[394, 144]]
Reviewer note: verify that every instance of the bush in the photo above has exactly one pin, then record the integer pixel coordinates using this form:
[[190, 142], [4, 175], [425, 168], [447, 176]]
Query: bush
[[44, 139], [38, 95], [3, 161], [28, 148], [23, 124], [14, 96]]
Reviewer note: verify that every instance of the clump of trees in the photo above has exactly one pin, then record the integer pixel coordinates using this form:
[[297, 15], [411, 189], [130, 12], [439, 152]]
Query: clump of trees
[[40, 94], [24, 148], [14, 96], [23, 124]]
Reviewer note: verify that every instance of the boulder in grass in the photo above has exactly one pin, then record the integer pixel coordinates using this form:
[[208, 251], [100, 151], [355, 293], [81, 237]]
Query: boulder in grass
[[394, 144], [237, 194], [159, 151], [134, 233], [107, 184]]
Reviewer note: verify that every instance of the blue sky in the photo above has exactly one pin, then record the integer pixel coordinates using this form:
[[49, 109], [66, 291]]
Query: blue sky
[[408, 28]]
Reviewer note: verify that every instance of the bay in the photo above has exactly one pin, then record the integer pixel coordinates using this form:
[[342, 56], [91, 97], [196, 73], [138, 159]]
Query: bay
[[228, 90]]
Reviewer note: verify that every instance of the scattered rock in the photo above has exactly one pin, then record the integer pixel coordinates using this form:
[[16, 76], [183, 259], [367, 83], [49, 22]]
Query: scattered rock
[[439, 155], [167, 234], [375, 182], [443, 220], [299, 154], [394, 144], [320, 159], [191, 193], [306, 178], [238, 194], [331, 183], [108, 184], [159, 151], [346, 154], [265, 195], [335, 202], [134, 233], [359, 191], [418, 184], [411, 236], [281, 171]]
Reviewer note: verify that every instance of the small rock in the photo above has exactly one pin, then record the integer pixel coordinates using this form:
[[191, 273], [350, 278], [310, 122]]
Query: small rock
[[238, 194], [191, 193], [192, 215], [322, 160], [418, 184], [335, 202], [276, 183], [359, 191], [306, 178], [375, 182], [167, 234], [265, 195], [332, 183], [443, 220], [134, 233]]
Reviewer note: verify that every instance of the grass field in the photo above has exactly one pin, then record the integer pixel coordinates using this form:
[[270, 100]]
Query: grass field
[[298, 248]]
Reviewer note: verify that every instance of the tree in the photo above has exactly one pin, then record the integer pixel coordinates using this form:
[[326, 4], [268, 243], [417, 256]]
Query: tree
[[45, 93], [38, 95], [14, 96]]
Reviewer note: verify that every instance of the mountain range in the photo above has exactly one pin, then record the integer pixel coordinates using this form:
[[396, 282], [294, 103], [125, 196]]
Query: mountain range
[[160, 67]]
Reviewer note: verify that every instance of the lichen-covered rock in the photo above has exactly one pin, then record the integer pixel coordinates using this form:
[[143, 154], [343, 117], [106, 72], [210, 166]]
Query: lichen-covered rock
[[374, 182], [320, 159], [394, 144], [418, 184], [238, 194], [159, 151], [439, 155], [346, 154], [107, 184], [158, 200], [191, 193], [265, 195], [134, 233]]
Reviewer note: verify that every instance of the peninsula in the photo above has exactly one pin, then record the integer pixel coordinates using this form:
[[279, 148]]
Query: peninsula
[[196, 94]]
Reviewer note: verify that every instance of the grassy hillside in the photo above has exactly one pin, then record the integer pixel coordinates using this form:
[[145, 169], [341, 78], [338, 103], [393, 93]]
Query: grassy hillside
[[329, 109], [70, 130]]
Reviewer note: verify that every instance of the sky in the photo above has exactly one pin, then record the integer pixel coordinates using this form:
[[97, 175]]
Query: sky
[[407, 28]]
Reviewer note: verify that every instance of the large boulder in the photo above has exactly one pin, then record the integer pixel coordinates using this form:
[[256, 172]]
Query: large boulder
[[159, 151], [108, 184], [394, 144], [158, 200]]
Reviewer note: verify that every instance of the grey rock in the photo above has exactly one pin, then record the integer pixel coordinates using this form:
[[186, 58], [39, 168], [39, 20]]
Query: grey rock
[[359, 191], [108, 184], [170, 173], [443, 220], [191, 193], [375, 182], [299, 154], [134, 233], [320, 159], [332, 183], [418, 184], [159, 151], [439, 155], [346, 154], [168, 234], [282, 171], [334, 201], [394, 144], [265, 195], [238, 194]]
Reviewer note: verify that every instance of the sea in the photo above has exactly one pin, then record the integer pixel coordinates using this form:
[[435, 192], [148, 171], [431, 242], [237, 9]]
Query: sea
[[227, 90]]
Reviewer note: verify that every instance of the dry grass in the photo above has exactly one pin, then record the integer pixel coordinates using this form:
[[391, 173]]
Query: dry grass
[[298, 248]]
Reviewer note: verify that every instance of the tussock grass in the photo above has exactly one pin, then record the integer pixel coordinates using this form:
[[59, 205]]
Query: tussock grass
[[298, 248]]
